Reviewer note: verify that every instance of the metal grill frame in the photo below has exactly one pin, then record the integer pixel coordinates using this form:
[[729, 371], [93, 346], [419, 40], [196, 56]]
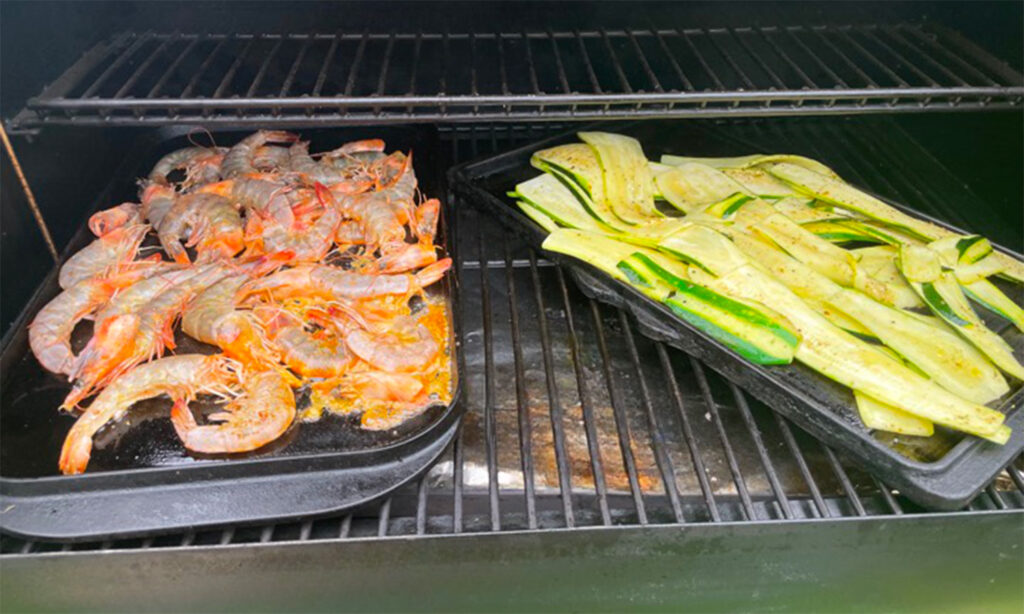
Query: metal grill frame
[[684, 72], [874, 152]]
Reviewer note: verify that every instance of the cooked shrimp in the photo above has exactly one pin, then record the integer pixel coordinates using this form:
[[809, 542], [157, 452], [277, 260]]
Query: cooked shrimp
[[325, 281], [408, 346], [305, 353], [187, 158], [105, 253], [270, 158], [180, 377], [209, 221], [305, 244], [261, 414], [49, 333], [383, 386], [349, 232], [410, 256], [239, 159], [157, 200], [308, 169], [113, 351], [108, 220], [425, 220], [212, 317], [262, 195]]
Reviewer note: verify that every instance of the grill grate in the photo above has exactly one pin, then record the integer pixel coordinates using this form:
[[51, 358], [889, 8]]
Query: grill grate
[[573, 419], [348, 77]]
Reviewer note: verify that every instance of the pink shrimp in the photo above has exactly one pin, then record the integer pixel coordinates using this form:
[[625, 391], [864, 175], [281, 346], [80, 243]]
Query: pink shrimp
[[305, 353], [104, 254], [109, 220], [180, 377], [261, 414], [198, 162], [325, 281], [213, 317], [306, 244], [407, 346], [156, 201]]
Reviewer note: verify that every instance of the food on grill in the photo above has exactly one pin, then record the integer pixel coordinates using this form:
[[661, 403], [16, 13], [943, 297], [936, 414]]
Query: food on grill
[[777, 258], [304, 271]]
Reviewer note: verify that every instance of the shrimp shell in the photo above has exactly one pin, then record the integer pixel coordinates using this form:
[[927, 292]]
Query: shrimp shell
[[180, 377], [108, 220], [261, 414], [325, 281], [239, 159], [105, 253]]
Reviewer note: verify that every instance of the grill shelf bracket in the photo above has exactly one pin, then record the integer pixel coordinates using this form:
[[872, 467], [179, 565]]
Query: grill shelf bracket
[[137, 79]]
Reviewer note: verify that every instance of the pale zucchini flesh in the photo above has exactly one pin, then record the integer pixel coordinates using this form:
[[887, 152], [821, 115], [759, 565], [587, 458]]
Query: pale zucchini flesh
[[880, 416], [628, 183]]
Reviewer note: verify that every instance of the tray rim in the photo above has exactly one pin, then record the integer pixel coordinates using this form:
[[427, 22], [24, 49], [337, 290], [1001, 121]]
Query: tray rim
[[463, 181], [142, 149]]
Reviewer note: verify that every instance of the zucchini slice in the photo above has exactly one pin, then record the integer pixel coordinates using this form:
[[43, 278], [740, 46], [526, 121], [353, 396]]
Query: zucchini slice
[[986, 294], [881, 416], [759, 182], [753, 160], [543, 219], [834, 191], [577, 168], [856, 364], [549, 195], [628, 184], [693, 186]]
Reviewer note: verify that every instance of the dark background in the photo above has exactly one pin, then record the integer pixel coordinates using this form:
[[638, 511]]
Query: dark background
[[67, 167]]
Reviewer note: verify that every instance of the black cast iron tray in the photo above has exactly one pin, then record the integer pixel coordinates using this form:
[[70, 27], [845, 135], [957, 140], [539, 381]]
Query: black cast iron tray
[[941, 472], [140, 480]]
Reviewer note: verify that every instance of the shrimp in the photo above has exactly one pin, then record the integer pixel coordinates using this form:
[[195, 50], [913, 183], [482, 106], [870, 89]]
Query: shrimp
[[212, 317], [382, 386], [239, 159], [308, 169], [411, 256], [49, 333], [425, 220], [105, 253], [212, 224], [408, 346], [305, 353], [190, 158], [261, 414], [109, 220], [349, 232], [271, 159], [256, 194], [157, 200], [310, 244], [326, 281], [180, 377], [111, 352]]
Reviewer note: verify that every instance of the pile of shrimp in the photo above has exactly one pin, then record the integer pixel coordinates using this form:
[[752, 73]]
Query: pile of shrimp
[[305, 272]]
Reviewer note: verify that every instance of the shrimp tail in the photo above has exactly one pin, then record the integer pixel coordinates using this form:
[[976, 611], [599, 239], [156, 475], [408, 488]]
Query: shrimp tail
[[74, 455]]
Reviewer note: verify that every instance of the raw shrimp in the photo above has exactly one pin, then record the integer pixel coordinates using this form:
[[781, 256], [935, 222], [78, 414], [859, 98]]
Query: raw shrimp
[[325, 281], [270, 159], [212, 317], [180, 377], [239, 159], [104, 254], [196, 160], [49, 333], [108, 220], [209, 221], [261, 414], [408, 346]]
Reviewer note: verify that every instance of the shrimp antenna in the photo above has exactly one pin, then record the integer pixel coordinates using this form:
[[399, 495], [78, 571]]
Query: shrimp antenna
[[193, 131]]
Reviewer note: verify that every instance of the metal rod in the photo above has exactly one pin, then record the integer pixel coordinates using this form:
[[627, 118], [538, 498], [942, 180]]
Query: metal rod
[[691, 442], [118, 61], [661, 458], [801, 463], [144, 65], [712, 406], [621, 425], [490, 434], [321, 76], [762, 451], [29, 196], [687, 85], [779, 51], [554, 400], [589, 423], [421, 506], [384, 518], [844, 481], [522, 398], [258, 79], [173, 66], [290, 78]]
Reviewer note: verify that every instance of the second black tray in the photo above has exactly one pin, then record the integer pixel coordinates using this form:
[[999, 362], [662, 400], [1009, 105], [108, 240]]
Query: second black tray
[[943, 472], [140, 480]]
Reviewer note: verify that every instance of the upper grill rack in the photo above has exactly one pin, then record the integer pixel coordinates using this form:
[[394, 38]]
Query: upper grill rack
[[359, 77]]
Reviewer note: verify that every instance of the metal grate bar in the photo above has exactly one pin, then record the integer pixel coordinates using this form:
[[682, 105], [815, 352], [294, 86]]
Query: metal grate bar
[[593, 446], [290, 78], [691, 442], [947, 54], [554, 399], [117, 63], [262, 72], [844, 480], [762, 452], [621, 425], [490, 382], [779, 51], [353, 69], [655, 83], [172, 67], [321, 76], [895, 35], [868, 32], [676, 68], [712, 406], [522, 407], [668, 477], [145, 65], [798, 456]]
